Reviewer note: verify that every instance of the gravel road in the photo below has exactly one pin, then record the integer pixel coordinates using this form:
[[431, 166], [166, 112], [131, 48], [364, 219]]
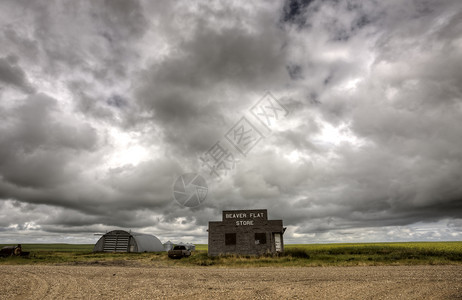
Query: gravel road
[[141, 282]]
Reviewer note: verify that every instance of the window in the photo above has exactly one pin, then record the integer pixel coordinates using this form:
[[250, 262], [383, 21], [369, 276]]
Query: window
[[260, 238], [230, 239]]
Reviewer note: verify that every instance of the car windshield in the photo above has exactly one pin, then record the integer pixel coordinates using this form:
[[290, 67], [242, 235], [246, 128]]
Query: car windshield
[[179, 248]]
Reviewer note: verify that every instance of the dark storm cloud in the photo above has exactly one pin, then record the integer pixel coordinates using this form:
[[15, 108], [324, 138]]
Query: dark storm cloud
[[40, 164], [130, 93], [11, 73], [97, 25], [91, 47], [294, 11], [405, 110], [368, 193], [117, 101], [90, 102], [35, 148], [224, 62]]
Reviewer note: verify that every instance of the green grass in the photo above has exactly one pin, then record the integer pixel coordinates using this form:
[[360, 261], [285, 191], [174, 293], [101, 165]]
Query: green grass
[[54, 247], [202, 247], [380, 253], [304, 255]]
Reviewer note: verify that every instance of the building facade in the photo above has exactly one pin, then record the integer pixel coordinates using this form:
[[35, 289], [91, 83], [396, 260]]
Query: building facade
[[245, 232]]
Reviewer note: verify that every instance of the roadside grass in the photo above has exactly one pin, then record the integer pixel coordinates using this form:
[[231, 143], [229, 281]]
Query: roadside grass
[[376, 254], [304, 255], [202, 247], [55, 247]]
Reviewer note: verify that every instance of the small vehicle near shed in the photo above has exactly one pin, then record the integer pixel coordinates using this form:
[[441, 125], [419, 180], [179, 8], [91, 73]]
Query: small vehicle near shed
[[179, 252], [12, 251]]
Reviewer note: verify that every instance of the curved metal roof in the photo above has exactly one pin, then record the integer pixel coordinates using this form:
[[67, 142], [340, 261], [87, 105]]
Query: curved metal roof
[[147, 242], [124, 241]]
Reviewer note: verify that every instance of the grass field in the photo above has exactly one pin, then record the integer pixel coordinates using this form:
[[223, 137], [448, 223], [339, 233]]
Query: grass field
[[294, 255]]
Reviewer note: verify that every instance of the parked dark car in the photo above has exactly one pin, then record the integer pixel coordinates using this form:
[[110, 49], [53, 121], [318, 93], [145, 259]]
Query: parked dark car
[[179, 252], [12, 251]]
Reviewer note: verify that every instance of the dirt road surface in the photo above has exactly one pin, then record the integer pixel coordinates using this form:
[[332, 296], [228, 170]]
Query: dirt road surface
[[142, 282]]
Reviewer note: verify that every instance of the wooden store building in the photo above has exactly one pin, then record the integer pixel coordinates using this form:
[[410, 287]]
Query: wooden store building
[[247, 232]]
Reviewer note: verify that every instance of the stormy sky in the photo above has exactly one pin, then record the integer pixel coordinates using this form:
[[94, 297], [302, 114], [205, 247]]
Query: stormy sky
[[103, 104]]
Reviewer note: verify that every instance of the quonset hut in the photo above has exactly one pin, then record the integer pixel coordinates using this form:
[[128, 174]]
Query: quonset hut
[[124, 241]]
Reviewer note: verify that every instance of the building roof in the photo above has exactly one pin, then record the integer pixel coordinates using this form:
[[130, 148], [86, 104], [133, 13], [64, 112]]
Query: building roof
[[124, 241], [147, 242]]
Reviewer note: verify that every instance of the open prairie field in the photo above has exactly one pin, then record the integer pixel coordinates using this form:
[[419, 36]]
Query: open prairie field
[[302, 255]]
